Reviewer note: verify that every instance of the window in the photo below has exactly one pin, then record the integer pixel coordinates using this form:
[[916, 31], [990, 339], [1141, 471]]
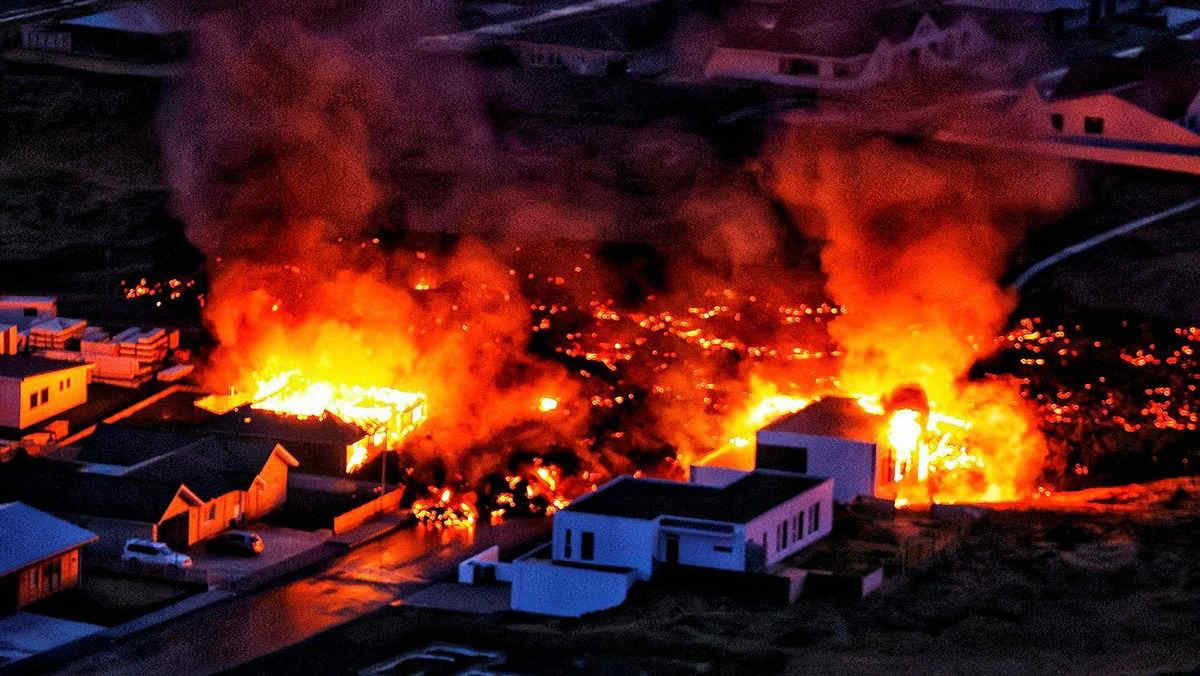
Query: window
[[798, 527], [1093, 125], [52, 574], [33, 578], [1056, 121], [60, 386], [798, 67], [33, 400], [212, 511], [587, 545], [724, 549], [45, 394], [68, 382], [814, 518], [567, 545], [781, 536], [844, 70], [29, 311], [764, 541], [142, 549]]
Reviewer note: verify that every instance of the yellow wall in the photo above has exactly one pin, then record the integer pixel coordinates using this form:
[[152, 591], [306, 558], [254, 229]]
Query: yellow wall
[[59, 396]]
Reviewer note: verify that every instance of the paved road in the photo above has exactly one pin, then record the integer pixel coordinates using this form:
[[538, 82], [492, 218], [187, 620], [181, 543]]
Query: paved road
[[365, 579]]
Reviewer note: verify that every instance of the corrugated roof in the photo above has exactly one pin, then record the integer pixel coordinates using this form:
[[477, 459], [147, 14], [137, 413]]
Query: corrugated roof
[[29, 535], [738, 502], [139, 18], [24, 366]]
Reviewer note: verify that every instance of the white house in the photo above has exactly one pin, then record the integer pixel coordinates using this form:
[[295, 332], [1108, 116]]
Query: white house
[[33, 389], [833, 437], [605, 541], [771, 45]]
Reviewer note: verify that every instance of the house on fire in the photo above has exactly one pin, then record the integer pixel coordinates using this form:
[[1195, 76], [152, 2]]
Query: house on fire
[[606, 541], [134, 483], [323, 444], [39, 555]]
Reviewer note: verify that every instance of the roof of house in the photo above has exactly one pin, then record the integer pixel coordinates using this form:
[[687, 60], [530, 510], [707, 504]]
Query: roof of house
[[122, 445], [136, 18], [738, 502], [210, 467], [618, 30], [31, 535], [57, 325], [61, 487], [246, 422], [840, 417], [24, 366]]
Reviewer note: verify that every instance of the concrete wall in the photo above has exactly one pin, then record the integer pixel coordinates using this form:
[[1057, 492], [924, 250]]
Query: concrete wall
[[705, 548], [853, 465], [619, 541], [795, 513], [1122, 120], [711, 475], [566, 591]]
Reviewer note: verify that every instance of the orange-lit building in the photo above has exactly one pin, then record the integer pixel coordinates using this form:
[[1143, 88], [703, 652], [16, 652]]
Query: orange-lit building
[[39, 555]]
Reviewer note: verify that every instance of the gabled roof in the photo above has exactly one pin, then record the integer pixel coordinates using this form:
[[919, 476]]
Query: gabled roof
[[24, 366], [60, 487], [31, 535], [792, 29], [138, 18], [125, 446], [738, 502], [840, 417]]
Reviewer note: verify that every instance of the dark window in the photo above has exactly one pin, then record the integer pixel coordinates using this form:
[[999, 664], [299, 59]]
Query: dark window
[[33, 578], [60, 386], [1093, 125], [781, 536], [814, 518], [844, 70], [29, 312], [1056, 121], [798, 527], [143, 549], [587, 545], [33, 400], [68, 382], [764, 541], [724, 549], [45, 394], [567, 545], [798, 67], [212, 511]]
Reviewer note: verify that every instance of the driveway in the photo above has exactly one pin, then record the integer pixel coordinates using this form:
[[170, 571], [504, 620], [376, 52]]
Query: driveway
[[280, 544]]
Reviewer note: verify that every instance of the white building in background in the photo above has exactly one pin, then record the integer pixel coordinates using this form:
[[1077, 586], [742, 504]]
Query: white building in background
[[833, 437], [33, 389], [607, 540], [770, 44]]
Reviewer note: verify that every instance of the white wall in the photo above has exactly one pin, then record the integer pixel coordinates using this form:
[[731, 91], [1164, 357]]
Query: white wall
[[853, 465], [711, 475], [1122, 120], [619, 541], [539, 586], [798, 506], [698, 546]]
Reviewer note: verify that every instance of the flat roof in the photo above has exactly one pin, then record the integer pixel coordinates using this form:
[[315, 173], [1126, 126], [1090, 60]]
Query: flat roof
[[737, 502], [137, 18], [24, 366], [840, 417], [31, 535]]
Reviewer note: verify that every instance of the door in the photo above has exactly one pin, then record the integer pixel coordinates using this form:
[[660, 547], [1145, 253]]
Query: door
[[174, 532], [672, 549]]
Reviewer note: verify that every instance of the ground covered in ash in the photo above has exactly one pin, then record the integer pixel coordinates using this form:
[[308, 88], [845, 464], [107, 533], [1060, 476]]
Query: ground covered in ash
[[1100, 581]]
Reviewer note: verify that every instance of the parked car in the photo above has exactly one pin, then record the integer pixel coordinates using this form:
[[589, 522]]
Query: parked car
[[149, 551], [237, 542]]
